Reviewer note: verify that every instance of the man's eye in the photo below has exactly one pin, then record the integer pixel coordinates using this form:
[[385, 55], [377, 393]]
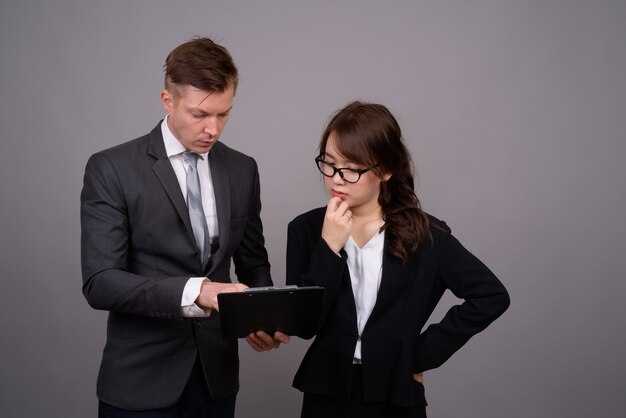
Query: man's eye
[[196, 116]]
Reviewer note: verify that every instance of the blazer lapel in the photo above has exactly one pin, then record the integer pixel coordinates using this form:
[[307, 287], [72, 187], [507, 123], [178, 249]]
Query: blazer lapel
[[165, 173], [221, 188], [391, 282]]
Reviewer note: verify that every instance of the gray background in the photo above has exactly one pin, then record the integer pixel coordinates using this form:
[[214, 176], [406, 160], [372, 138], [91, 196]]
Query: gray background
[[515, 112]]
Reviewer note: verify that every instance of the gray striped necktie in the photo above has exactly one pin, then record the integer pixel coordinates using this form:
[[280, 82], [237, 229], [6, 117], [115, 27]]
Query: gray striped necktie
[[194, 202]]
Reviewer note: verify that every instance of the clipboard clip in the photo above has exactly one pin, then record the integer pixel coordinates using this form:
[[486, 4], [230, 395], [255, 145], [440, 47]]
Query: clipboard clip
[[262, 289]]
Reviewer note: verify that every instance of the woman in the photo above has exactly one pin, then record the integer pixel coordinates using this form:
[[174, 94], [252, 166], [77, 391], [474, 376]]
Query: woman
[[384, 264]]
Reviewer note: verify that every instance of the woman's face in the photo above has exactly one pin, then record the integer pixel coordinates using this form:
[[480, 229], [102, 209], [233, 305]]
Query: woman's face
[[362, 196]]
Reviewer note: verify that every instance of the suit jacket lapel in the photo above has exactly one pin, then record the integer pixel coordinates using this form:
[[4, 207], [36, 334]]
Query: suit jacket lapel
[[165, 173], [221, 188]]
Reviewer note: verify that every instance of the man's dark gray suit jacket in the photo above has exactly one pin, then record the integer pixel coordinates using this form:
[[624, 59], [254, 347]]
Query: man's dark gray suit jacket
[[138, 251]]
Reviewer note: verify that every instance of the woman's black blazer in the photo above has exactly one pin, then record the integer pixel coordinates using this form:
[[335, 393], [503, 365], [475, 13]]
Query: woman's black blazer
[[392, 344]]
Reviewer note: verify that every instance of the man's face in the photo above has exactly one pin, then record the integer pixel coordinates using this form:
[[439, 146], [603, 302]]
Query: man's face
[[197, 117]]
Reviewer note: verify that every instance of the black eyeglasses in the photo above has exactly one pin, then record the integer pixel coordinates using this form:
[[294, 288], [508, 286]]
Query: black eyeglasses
[[349, 175]]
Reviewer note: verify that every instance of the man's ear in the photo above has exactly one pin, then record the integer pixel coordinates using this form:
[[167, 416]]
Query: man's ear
[[168, 101]]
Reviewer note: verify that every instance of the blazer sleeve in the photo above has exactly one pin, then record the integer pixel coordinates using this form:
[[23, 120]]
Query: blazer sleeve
[[251, 261], [485, 299], [311, 262], [107, 282]]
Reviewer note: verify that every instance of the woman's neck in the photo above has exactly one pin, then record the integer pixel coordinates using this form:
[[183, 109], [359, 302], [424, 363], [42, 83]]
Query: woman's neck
[[364, 215], [366, 224]]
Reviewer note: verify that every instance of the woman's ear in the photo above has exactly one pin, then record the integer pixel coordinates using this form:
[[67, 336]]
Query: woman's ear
[[386, 176]]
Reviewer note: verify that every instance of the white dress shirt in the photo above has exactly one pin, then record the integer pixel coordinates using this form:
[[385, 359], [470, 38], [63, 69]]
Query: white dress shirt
[[174, 150], [365, 265]]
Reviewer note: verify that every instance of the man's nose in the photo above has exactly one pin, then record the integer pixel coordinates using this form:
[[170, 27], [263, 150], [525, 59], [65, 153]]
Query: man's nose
[[211, 127]]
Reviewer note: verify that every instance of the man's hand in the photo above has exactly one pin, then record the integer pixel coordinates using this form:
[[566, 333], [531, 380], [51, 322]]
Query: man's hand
[[209, 290], [262, 341]]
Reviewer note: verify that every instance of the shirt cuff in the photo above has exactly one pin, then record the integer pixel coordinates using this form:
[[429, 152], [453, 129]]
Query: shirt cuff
[[190, 294]]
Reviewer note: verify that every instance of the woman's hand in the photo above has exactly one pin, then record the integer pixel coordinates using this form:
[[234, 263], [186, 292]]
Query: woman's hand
[[337, 224], [419, 377]]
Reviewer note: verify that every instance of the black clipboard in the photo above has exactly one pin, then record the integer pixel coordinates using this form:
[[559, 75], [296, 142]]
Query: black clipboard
[[290, 310]]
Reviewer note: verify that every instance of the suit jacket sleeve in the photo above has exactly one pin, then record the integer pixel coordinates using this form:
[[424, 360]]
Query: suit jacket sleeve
[[251, 261], [485, 299], [108, 282]]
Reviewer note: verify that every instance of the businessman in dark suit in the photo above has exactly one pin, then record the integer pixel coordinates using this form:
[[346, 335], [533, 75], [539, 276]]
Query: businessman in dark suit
[[162, 217]]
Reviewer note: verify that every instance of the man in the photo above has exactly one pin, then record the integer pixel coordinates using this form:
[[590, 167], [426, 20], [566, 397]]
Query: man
[[162, 216]]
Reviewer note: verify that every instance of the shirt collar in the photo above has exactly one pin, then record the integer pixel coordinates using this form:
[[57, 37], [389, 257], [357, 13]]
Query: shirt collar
[[172, 145]]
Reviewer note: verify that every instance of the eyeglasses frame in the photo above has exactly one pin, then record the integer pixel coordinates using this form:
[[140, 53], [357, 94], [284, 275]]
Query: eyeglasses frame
[[319, 160]]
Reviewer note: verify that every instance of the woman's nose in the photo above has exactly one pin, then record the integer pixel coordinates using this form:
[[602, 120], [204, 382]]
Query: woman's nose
[[337, 178]]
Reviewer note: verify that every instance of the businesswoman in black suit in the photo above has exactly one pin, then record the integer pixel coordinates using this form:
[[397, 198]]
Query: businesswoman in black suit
[[384, 264]]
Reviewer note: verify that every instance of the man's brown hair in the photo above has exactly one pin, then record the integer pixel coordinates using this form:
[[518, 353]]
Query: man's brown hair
[[202, 64]]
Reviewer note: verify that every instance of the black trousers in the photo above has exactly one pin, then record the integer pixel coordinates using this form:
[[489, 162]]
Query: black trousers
[[193, 403], [316, 406]]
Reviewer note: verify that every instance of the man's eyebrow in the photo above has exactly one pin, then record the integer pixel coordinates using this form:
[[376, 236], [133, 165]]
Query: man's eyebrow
[[204, 112]]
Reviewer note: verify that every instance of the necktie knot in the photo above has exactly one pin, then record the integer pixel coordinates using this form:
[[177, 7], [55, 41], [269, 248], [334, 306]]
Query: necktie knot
[[191, 158]]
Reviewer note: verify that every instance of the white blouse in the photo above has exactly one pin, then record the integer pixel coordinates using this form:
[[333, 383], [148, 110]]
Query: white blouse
[[365, 265]]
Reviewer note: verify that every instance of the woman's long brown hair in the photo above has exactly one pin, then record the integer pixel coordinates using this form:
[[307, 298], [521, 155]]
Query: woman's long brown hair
[[368, 134]]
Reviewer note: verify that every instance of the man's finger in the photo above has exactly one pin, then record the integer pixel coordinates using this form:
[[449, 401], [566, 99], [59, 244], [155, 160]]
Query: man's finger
[[251, 339], [283, 338], [265, 338]]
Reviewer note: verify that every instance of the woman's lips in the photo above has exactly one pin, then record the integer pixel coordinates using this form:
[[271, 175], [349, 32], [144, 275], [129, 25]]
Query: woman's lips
[[338, 194]]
